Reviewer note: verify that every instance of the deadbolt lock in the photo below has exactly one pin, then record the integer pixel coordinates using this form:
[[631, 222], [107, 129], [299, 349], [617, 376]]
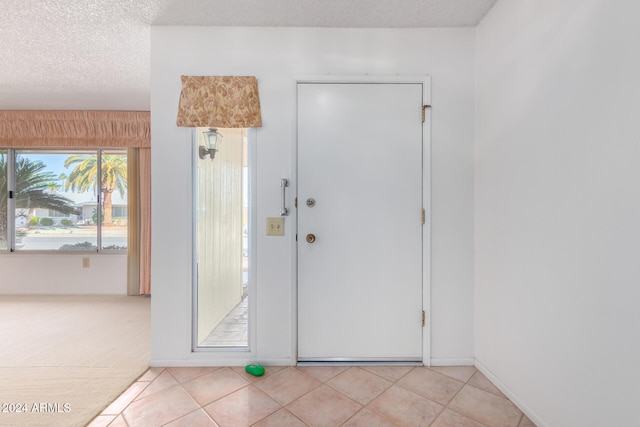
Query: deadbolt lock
[[311, 238]]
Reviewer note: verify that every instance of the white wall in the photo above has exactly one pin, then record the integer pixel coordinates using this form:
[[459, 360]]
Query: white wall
[[63, 274], [558, 207], [276, 56]]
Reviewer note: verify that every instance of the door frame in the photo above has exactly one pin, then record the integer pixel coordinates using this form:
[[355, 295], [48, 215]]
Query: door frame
[[425, 80]]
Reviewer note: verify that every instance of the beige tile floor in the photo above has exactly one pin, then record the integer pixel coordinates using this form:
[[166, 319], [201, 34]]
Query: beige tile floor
[[313, 396]]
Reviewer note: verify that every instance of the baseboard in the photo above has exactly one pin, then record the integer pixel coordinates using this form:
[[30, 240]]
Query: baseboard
[[452, 362], [511, 395], [174, 363]]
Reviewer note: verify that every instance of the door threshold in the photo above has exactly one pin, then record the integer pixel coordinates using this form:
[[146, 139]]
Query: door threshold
[[358, 363]]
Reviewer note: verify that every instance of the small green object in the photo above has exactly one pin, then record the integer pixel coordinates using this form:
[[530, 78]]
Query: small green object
[[255, 370]]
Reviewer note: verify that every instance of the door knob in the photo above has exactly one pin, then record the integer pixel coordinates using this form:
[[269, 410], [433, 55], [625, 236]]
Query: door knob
[[311, 238]]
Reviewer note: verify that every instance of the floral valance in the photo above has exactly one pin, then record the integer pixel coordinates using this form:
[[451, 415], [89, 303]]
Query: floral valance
[[59, 129], [219, 101]]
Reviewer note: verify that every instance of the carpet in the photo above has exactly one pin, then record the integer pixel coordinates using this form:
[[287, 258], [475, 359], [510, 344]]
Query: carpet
[[63, 359]]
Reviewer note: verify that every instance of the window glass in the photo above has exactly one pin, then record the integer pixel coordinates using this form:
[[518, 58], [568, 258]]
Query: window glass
[[3, 201], [56, 200], [114, 202], [222, 241], [73, 200]]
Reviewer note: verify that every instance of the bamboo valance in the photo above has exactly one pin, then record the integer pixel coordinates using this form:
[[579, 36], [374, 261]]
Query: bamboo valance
[[219, 101], [59, 129]]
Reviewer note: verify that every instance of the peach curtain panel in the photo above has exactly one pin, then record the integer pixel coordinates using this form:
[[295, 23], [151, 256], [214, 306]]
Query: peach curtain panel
[[133, 222], [139, 217], [59, 129], [219, 101], [144, 162]]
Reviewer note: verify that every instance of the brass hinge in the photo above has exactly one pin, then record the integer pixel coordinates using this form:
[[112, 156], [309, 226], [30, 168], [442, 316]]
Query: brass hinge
[[295, 202], [423, 317], [424, 107], [423, 216]]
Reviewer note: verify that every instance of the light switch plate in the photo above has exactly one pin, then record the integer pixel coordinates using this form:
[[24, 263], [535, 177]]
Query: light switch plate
[[275, 226]]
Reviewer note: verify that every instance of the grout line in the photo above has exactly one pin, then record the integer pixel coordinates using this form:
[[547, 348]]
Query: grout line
[[221, 397], [311, 376], [134, 397], [192, 398], [361, 404], [384, 378], [466, 416], [466, 383], [393, 383], [473, 417], [378, 414], [304, 394]]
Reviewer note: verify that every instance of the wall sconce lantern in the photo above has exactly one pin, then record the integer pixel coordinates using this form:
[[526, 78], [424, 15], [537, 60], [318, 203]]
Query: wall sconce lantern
[[211, 139]]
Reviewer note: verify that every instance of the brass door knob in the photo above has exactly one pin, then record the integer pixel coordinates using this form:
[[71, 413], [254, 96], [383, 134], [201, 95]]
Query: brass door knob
[[311, 238]]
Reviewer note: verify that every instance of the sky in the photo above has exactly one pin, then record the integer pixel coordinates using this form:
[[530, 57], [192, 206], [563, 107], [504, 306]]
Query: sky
[[55, 164]]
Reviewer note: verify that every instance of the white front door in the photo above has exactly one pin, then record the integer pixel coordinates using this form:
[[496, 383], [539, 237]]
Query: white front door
[[360, 195]]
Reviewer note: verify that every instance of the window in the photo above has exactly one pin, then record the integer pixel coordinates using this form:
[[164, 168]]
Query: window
[[55, 197], [4, 229], [221, 196], [119, 212]]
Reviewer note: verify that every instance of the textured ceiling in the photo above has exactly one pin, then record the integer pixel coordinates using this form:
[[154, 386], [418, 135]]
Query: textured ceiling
[[79, 54], [324, 13]]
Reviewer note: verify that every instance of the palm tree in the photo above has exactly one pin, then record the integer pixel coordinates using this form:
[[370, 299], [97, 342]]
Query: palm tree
[[31, 191], [83, 177], [63, 178], [53, 186]]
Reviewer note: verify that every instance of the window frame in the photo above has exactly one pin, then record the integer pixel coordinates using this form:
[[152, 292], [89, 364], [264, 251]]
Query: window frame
[[230, 352], [11, 154]]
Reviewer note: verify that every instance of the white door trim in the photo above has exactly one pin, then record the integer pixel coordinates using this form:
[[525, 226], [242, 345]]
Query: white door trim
[[426, 186]]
